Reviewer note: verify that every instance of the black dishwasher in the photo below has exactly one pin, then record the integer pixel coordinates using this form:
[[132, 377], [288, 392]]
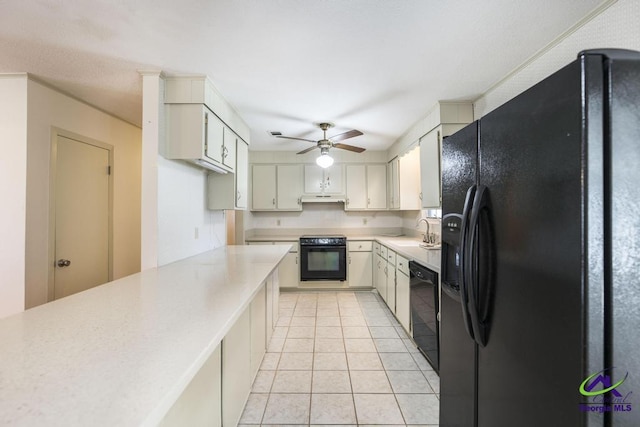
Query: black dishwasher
[[425, 305]]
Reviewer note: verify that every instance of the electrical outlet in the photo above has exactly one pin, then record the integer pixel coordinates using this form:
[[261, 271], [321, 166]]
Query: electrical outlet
[[364, 221], [196, 234]]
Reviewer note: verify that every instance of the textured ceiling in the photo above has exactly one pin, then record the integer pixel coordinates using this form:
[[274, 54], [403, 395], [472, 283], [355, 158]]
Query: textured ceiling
[[373, 65]]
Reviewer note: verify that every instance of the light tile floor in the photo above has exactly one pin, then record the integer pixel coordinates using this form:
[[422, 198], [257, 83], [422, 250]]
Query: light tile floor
[[341, 358]]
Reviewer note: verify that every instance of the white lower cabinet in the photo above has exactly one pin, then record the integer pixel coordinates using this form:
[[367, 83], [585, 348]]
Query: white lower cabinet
[[403, 303], [391, 280], [360, 264], [199, 403], [236, 369], [258, 329], [218, 392], [381, 276], [289, 268]]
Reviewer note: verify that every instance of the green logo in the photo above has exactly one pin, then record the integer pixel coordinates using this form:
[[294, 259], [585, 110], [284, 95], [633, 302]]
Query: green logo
[[586, 387]]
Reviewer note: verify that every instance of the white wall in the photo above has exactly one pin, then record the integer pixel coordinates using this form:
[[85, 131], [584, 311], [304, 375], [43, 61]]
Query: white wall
[[185, 226], [615, 27], [324, 215], [48, 108], [13, 180], [177, 223]]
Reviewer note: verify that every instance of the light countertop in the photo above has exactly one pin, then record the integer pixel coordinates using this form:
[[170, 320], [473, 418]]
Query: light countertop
[[408, 247], [122, 353]]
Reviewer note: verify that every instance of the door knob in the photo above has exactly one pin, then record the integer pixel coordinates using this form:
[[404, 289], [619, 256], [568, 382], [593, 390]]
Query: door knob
[[64, 263]]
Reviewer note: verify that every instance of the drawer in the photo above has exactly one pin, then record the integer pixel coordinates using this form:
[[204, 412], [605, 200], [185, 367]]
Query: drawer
[[383, 251], [360, 246], [376, 248], [259, 243], [402, 264], [391, 257]]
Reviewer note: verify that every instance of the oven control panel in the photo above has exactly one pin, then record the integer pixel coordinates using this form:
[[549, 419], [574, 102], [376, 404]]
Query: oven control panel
[[323, 240]]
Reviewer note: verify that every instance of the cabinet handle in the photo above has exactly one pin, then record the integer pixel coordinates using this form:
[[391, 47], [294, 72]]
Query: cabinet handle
[[420, 195], [296, 260], [274, 202], [368, 201], [349, 260], [347, 201], [238, 196], [299, 200]]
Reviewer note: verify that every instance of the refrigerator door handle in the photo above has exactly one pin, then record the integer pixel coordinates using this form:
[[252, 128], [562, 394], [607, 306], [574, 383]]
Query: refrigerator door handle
[[462, 276], [473, 271]]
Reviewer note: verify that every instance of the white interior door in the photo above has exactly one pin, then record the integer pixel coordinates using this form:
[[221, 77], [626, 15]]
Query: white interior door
[[82, 211]]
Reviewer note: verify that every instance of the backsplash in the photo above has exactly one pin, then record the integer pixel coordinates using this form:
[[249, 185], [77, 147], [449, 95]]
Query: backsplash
[[334, 219]]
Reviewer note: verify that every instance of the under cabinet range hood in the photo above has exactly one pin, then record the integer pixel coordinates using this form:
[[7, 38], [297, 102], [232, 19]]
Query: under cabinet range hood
[[324, 198]]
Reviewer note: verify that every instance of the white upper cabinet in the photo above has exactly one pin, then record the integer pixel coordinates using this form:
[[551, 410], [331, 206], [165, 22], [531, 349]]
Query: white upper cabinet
[[393, 178], [409, 177], [276, 187], [264, 187], [377, 186], [356, 187], [230, 191], [430, 163], [366, 187], [242, 174], [193, 133], [323, 181], [289, 178], [228, 148]]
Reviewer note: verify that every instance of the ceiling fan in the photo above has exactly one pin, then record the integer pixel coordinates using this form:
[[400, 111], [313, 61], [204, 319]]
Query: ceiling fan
[[324, 160]]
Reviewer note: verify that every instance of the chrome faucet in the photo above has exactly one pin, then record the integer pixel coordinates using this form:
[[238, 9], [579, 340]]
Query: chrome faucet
[[425, 237]]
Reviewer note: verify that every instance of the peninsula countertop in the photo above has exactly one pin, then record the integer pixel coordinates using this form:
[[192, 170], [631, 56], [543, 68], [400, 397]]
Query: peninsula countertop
[[121, 353]]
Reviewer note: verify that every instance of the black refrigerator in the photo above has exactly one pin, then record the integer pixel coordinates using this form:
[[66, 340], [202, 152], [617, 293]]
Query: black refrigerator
[[540, 276]]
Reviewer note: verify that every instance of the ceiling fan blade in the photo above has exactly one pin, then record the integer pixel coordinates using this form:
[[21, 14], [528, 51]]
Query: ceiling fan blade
[[349, 148], [348, 134], [307, 150], [297, 139]]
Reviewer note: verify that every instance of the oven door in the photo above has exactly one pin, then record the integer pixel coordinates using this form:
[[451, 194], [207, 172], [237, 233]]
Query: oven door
[[320, 262]]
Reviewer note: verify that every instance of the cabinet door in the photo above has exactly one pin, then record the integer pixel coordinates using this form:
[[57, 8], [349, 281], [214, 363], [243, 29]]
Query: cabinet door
[[313, 179], [334, 180], [382, 277], [258, 329], [242, 174], [360, 269], [229, 148], [403, 304], [394, 184], [409, 177], [236, 369], [214, 136], [289, 187], [289, 271], [199, 404], [264, 187], [356, 183], [391, 287], [376, 186], [430, 176]]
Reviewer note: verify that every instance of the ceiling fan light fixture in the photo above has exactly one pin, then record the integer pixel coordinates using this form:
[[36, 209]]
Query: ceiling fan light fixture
[[324, 160]]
